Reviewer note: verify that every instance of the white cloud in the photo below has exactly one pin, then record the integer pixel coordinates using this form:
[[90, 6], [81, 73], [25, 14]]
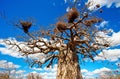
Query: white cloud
[[105, 38], [17, 72], [102, 70], [107, 3], [12, 53], [104, 23], [20, 72], [91, 74], [34, 74], [37, 69], [7, 50], [6, 65], [115, 39], [38, 56], [49, 73], [11, 69], [87, 74], [84, 71], [111, 55]]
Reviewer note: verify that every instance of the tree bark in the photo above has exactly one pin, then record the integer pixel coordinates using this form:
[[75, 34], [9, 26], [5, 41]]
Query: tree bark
[[68, 66]]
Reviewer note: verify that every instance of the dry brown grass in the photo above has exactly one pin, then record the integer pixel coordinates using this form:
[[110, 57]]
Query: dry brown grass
[[34, 76], [4, 76]]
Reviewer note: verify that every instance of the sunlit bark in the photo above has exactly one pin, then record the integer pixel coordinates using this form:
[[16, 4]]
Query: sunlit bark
[[68, 67]]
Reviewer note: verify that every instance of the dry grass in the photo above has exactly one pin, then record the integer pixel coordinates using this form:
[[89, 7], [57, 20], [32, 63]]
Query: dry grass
[[111, 77], [4, 76]]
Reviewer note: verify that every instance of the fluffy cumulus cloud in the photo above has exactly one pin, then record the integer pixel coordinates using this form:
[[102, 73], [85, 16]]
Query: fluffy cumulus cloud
[[102, 70], [87, 74], [84, 71], [46, 73], [115, 39], [49, 73], [102, 24], [91, 74], [20, 72], [14, 72], [11, 69], [13, 51], [5, 49], [111, 55], [107, 3], [5, 64]]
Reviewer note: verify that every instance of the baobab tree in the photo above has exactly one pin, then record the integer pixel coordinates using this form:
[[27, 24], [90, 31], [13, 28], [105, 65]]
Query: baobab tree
[[71, 40]]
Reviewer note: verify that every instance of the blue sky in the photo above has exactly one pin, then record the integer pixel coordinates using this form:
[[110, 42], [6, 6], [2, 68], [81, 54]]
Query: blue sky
[[46, 12]]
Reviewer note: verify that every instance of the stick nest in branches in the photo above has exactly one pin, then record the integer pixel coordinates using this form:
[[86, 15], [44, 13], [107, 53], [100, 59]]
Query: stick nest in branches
[[98, 5], [91, 21], [25, 25], [61, 26], [72, 15]]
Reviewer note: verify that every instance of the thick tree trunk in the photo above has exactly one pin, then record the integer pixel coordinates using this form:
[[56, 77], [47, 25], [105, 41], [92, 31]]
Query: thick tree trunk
[[68, 66]]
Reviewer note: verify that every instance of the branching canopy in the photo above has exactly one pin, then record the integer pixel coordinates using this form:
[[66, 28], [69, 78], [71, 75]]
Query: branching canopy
[[77, 34]]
